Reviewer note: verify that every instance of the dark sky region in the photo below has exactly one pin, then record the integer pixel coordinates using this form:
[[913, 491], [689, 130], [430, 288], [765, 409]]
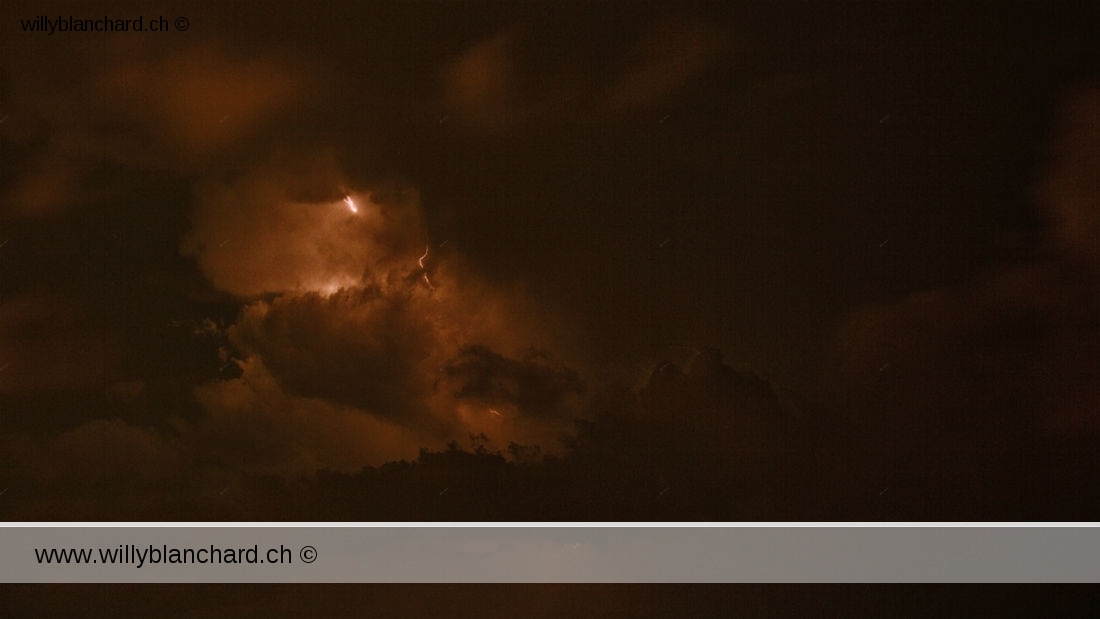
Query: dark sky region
[[551, 260], [544, 601]]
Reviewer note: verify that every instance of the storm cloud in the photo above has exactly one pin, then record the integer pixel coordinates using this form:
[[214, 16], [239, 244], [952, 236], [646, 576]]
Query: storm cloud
[[600, 262]]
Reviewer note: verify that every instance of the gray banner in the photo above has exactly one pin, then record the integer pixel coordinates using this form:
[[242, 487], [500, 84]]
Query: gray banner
[[548, 554]]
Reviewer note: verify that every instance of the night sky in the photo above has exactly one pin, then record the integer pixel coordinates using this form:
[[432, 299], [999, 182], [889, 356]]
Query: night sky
[[537, 261]]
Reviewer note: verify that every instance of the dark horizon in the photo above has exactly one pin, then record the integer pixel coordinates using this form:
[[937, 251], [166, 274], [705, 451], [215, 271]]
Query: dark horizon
[[538, 601]]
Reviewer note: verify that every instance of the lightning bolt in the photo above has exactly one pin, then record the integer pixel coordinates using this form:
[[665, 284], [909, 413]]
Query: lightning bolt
[[427, 248]]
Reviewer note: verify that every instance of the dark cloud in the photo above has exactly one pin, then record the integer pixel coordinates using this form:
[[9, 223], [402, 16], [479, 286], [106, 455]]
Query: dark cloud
[[519, 76], [1011, 347], [532, 385], [356, 348], [665, 60], [48, 343], [1069, 193]]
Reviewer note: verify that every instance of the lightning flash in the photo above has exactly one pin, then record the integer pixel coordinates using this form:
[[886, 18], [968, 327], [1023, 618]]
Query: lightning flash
[[427, 281], [351, 204]]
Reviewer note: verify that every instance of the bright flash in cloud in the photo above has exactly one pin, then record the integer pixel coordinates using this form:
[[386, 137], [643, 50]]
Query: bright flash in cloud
[[351, 204], [424, 269]]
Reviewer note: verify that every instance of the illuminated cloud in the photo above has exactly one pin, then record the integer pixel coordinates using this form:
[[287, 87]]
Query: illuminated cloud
[[203, 99], [254, 237], [252, 425], [355, 324], [153, 110]]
